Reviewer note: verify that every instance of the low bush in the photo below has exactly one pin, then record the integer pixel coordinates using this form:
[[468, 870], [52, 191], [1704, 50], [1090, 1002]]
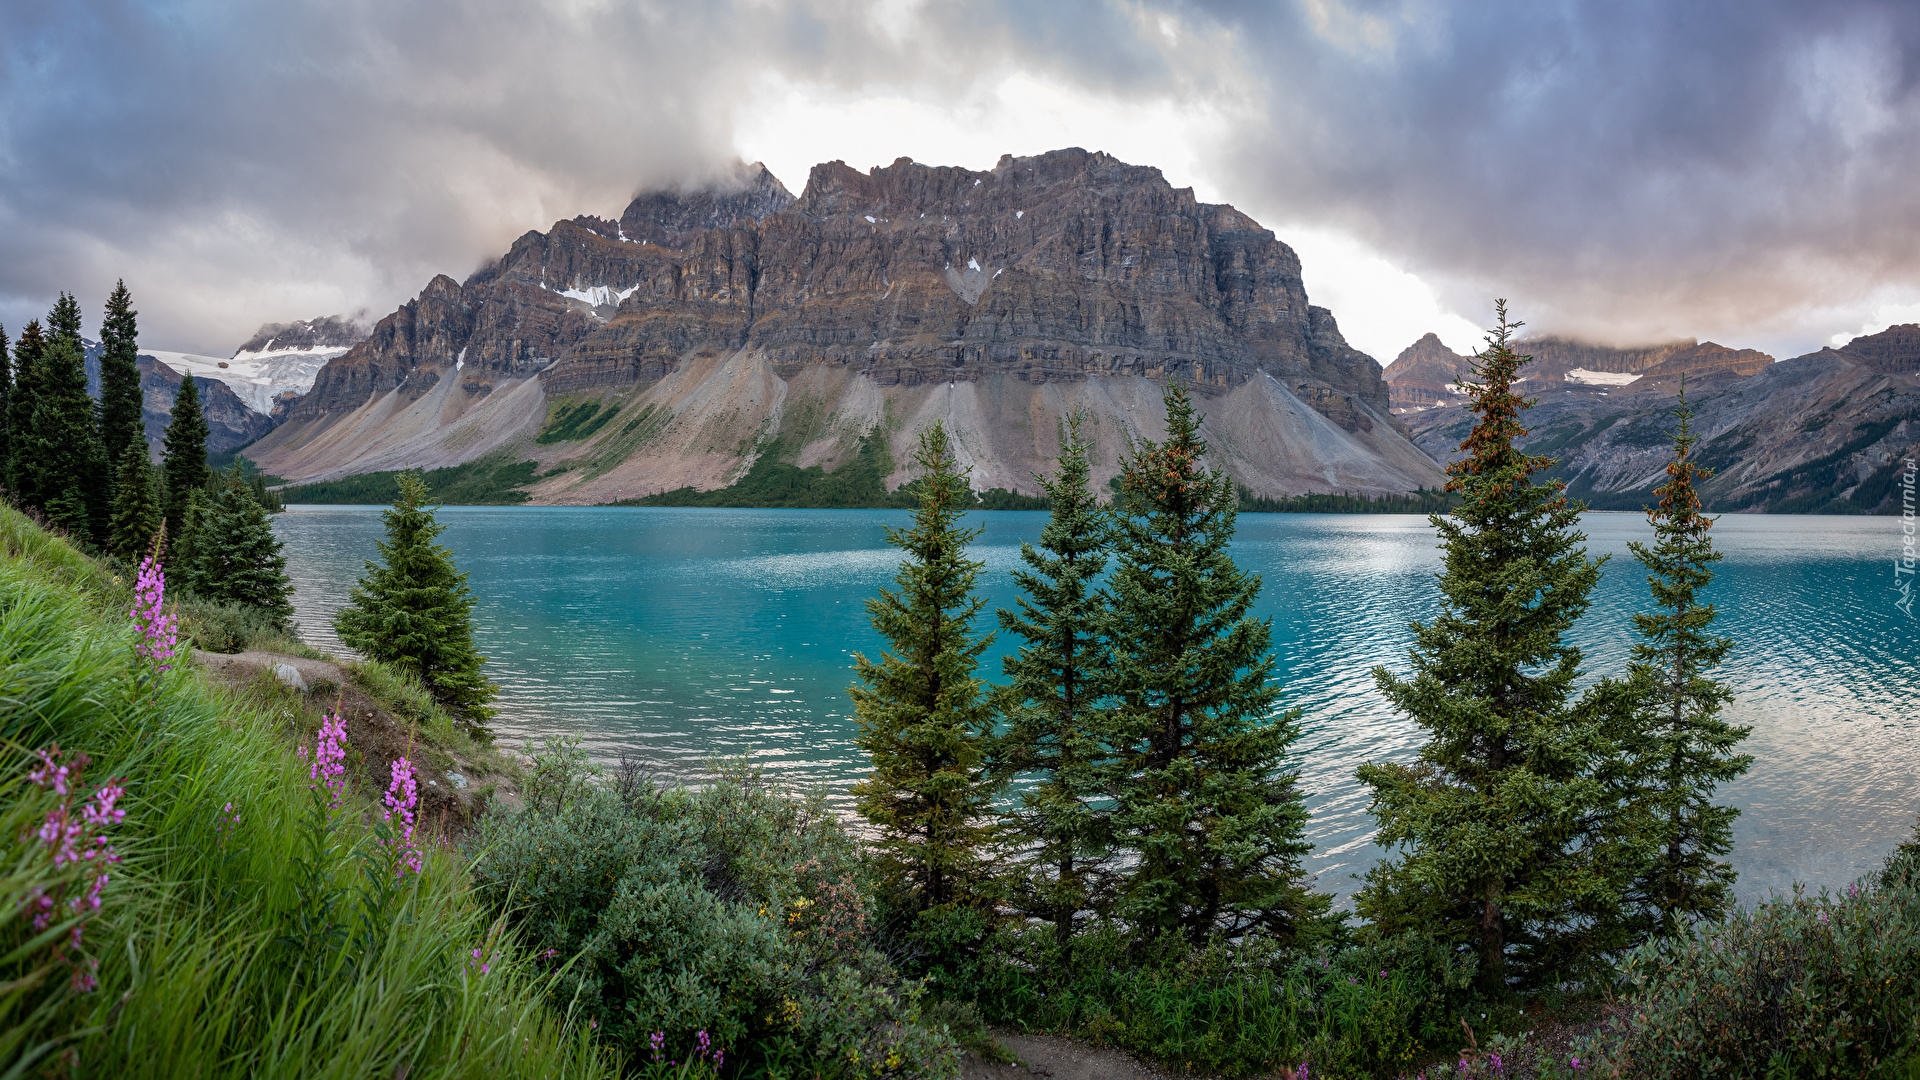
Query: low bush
[[730, 913], [213, 626], [1800, 986], [1234, 1009]]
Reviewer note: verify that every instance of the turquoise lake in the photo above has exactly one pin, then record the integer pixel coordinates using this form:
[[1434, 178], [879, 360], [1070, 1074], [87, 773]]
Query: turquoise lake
[[679, 634]]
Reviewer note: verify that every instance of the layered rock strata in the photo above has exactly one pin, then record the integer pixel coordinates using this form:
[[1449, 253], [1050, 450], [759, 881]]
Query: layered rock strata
[[712, 326]]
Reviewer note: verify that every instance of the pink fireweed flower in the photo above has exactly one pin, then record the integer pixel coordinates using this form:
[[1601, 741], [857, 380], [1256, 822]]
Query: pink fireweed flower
[[479, 962], [73, 834], [158, 634], [403, 794], [329, 768], [229, 820]]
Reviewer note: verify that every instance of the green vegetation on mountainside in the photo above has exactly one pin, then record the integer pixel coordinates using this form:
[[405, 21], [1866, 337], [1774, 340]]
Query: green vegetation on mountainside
[[493, 480]]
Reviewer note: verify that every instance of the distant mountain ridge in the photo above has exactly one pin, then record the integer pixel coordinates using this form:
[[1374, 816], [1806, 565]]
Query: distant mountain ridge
[[707, 328], [1820, 433], [1425, 373]]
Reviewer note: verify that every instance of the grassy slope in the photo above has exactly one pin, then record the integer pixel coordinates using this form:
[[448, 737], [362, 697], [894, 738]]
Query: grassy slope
[[194, 979]]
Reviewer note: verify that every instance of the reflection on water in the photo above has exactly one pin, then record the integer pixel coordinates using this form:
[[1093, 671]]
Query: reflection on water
[[679, 635]]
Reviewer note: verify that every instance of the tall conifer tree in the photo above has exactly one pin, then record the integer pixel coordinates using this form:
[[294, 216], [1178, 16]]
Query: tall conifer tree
[[1052, 703], [120, 421], [1680, 749], [6, 414], [22, 477], [239, 557], [64, 445], [137, 512], [1203, 793], [1502, 820], [185, 447], [413, 609], [924, 719]]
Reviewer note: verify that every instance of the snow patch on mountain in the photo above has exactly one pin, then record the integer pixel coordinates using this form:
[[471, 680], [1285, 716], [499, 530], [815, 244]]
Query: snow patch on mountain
[[1601, 378], [255, 376], [596, 296]]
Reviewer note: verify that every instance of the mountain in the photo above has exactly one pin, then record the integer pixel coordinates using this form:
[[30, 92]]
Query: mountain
[[1821, 433], [707, 329], [1895, 350], [278, 363], [231, 422], [1423, 376]]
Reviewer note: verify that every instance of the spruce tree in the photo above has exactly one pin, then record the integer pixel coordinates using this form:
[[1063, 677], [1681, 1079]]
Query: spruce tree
[[414, 611], [239, 557], [137, 510], [1502, 822], [1203, 794], [120, 420], [187, 556], [1679, 749], [185, 449], [1052, 704], [63, 447], [22, 478], [6, 414], [924, 719]]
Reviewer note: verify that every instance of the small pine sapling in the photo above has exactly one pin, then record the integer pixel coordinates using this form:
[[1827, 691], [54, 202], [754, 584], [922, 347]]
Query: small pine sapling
[[413, 609]]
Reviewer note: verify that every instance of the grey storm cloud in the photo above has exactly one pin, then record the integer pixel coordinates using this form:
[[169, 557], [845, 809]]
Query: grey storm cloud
[[1621, 169]]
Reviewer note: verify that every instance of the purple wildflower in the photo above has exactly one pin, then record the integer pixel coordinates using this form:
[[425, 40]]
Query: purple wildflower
[[157, 629], [75, 835], [329, 757], [403, 794]]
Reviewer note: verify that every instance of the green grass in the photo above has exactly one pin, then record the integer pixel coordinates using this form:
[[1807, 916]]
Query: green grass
[[773, 482], [493, 480], [576, 421], [196, 976]]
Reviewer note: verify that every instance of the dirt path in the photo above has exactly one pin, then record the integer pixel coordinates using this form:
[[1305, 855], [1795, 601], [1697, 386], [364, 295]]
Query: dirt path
[[1060, 1059]]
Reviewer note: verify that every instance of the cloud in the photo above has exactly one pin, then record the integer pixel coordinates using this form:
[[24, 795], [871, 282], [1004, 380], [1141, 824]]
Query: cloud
[[1625, 170]]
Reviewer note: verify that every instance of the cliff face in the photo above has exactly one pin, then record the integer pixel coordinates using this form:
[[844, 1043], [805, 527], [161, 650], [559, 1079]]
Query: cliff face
[[1895, 350], [708, 327], [1424, 375]]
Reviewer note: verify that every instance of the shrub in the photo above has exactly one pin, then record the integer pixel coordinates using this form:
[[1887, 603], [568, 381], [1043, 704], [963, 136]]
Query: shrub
[[214, 626], [1232, 1008], [1798, 986], [730, 910]]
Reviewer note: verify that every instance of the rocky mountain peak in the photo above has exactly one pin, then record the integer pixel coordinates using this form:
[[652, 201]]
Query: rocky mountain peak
[[1424, 374], [326, 332], [1893, 351], [672, 216]]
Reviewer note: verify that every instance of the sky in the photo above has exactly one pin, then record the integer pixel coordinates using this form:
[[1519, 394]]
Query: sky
[[1621, 171]]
